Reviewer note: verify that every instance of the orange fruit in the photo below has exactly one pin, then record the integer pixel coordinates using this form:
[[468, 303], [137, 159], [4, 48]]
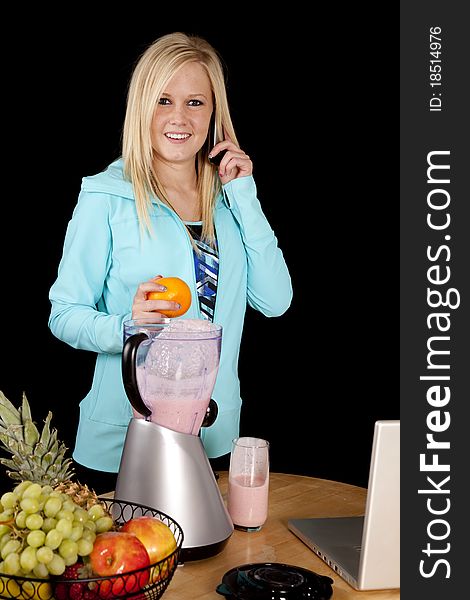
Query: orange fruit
[[177, 290]]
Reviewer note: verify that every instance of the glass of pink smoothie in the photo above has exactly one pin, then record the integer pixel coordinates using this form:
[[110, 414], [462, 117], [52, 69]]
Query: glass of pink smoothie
[[248, 483]]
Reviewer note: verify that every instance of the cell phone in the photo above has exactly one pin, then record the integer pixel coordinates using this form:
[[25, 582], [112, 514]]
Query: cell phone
[[215, 160]]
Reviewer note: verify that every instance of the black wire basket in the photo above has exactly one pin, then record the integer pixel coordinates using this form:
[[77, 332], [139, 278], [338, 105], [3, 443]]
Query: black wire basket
[[156, 576]]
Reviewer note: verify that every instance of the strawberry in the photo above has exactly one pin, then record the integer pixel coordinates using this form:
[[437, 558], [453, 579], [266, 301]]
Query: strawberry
[[73, 571], [74, 591]]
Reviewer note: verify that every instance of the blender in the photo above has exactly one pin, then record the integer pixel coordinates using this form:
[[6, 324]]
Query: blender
[[169, 372]]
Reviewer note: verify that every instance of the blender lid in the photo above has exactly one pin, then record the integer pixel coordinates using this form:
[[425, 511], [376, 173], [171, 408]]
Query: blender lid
[[274, 581]]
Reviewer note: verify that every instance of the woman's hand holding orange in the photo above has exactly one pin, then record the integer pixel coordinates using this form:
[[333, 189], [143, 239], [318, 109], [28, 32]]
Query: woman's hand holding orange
[[234, 164], [143, 308]]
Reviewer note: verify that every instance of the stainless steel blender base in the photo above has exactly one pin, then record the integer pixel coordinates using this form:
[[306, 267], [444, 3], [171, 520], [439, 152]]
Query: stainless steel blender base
[[170, 471]]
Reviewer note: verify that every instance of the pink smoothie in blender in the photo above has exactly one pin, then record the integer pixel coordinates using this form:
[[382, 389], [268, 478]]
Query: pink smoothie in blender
[[176, 373]]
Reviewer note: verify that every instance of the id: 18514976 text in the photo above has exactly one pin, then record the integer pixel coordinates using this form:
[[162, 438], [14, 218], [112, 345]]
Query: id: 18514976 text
[[435, 68]]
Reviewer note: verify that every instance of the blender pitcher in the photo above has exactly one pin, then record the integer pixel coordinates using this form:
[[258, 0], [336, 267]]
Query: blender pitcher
[[169, 371]]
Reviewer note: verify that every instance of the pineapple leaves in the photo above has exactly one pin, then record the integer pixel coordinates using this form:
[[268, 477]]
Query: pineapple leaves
[[31, 434], [36, 456], [10, 419], [17, 423], [8, 413], [46, 432], [25, 409]]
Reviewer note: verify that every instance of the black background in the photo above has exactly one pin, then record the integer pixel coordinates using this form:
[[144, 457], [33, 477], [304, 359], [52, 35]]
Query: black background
[[313, 101]]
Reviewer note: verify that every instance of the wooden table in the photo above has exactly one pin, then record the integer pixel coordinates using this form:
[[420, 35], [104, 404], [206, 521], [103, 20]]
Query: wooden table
[[290, 496]]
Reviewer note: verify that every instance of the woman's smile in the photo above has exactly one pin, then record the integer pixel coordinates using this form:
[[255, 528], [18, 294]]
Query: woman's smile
[[177, 138]]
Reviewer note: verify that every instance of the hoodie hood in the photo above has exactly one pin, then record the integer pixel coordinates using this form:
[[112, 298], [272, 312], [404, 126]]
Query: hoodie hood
[[109, 181]]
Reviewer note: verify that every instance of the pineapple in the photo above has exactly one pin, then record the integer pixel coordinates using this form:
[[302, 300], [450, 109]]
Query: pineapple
[[38, 456]]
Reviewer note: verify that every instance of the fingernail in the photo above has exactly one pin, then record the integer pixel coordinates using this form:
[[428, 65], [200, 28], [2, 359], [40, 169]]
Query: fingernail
[[162, 288]]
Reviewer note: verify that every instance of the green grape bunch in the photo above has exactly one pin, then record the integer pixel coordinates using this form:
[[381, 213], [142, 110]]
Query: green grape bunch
[[43, 531]]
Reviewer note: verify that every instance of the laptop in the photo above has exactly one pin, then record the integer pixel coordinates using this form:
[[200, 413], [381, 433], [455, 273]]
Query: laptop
[[365, 551]]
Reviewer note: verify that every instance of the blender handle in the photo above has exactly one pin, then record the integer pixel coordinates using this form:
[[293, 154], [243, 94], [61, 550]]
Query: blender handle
[[211, 414], [129, 375]]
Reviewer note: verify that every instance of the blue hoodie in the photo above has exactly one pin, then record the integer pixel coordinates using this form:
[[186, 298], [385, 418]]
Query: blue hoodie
[[105, 259]]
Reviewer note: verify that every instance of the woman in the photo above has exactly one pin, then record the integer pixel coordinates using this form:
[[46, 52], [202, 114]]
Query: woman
[[163, 208]]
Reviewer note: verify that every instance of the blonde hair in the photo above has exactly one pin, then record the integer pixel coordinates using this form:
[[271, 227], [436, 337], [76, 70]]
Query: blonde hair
[[154, 69]]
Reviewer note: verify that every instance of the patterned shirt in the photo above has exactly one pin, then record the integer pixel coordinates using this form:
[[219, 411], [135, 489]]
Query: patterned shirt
[[206, 265]]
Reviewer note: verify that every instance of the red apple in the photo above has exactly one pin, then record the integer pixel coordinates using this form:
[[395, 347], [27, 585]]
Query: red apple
[[117, 553], [157, 538]]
